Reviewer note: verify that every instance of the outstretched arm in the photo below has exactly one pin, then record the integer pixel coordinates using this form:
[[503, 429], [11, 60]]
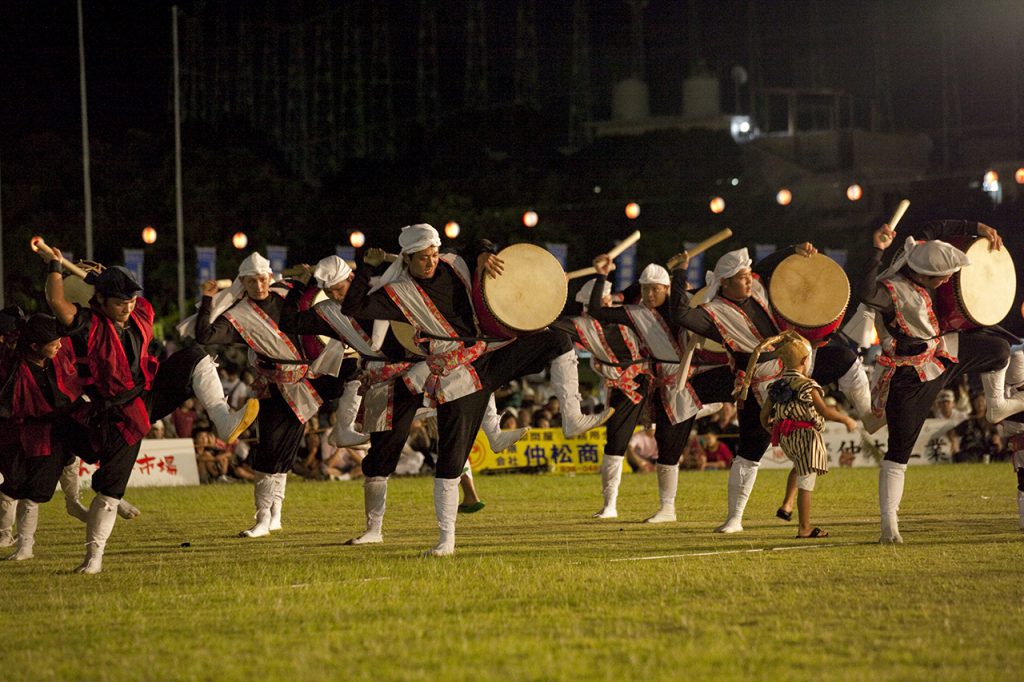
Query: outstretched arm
[[63, 309]]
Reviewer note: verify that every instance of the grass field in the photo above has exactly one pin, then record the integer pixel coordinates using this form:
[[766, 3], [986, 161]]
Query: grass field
[[537, 589]]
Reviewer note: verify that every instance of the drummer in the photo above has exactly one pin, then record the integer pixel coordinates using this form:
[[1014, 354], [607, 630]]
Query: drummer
[[919, 360], [432, 292], [739, 316], [637, 334]]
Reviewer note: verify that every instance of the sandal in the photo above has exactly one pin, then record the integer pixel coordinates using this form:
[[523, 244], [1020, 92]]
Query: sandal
[[784, 515], [471, 508], [816, 533]]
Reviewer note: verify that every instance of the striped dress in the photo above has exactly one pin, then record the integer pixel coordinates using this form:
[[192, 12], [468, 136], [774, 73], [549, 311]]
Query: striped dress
[[805, 447]]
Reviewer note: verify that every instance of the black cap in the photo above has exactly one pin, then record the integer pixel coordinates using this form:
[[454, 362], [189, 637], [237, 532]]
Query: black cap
[[40, 329], [9, 318], [118, 282]]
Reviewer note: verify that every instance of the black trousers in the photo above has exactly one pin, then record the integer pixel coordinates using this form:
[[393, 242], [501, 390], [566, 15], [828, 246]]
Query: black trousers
[[671, 438], [831, 362], [35, 478], [386, 446], [910, 399]]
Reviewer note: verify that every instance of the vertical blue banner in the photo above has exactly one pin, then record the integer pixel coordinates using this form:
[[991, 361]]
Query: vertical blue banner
[[625, 268], [559, 251], [762, 250], [133, 260], [838, 255], [345, 253], [695, 270], [278, 257], [206, 263]]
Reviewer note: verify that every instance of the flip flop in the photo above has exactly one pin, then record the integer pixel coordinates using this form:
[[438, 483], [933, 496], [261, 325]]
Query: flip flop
[[784, 515], [471, 508], [816, 533]]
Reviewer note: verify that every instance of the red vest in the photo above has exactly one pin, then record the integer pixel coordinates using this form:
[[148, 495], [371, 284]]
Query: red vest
[[109, 372], [27, 400]]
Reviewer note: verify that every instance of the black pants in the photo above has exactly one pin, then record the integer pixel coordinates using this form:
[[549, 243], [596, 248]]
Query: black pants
[[671, 438], [910, 399], [386, 446], [35, 478], [830, 363]]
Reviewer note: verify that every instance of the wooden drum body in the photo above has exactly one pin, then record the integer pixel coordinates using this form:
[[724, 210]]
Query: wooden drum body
[[528, 296], [809, 295], [980, 294]]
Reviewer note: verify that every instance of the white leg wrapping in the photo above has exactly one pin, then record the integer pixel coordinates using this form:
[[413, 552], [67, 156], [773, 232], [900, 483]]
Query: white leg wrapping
[[102, 516], [446, 507], [209, 393], [565, 380], [1015, 369], [499, 440], [280, 483], [264, 496], [611, 475], [8, 509], [28, 519], [890, 493], [1020, 507], [856, 387], [668, 482], [344, 434], [742, 476], [375, 497], [69, 486], [998, 406]]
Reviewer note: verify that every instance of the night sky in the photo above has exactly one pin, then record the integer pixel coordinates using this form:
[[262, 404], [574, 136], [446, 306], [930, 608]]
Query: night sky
[[128, 53]]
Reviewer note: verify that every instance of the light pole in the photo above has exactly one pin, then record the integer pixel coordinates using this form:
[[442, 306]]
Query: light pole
[[85, 135], [179, 217]]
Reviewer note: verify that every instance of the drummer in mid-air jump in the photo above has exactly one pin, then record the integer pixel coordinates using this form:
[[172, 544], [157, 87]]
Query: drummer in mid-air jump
[[433, 292], [921, 358]]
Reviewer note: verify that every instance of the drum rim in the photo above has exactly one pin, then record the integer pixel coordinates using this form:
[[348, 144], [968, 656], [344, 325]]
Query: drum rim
[[954, 283], [484, 281]]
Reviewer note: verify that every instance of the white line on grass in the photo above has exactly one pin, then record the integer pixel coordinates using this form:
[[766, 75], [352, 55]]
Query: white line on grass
[[733, 551]]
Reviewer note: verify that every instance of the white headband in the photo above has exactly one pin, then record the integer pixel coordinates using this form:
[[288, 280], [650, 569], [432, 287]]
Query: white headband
[[414, 238], [934, 258], [331, 270], [728, 265], [254, 264], [655, 274], [583, 296]]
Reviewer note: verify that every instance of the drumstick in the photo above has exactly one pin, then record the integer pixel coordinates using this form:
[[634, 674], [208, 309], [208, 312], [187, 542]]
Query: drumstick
[[703, 246], [223, 284], [38, 244], [613, 253], [898, 215]]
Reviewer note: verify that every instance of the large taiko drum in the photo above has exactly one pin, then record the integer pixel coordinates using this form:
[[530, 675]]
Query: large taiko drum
[[708, 352], [76, 289], [982, 293], [809, 295], [527, 297]]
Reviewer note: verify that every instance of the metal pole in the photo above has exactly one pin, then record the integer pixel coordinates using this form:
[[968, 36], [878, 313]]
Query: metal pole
[[3, 282], [85, 136], [177, 170]]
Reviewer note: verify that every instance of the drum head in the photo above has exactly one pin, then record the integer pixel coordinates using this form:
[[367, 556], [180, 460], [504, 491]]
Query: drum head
[[77, 291], [987, 286], [406, 335], [809, 291], [707, 344], [531, 292]]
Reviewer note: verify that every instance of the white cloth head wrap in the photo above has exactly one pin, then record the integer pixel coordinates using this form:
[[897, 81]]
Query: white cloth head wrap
[[934, 258], [728, 265], [655, 274], [331, 270], [583, 296], [414, 238], [254, 264]]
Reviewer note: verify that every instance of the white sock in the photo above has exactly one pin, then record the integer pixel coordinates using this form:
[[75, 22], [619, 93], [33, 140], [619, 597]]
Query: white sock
[[446, 504], [611, 476], [668, 482]]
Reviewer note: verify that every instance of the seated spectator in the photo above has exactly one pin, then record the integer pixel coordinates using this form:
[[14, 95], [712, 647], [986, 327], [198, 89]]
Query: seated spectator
[[307, 460], [541, 419], [717, 454], [213, 459], [509, 421], [157, 430], [642, 450], [723, 422], [184, 419], [945, 407], [975, 439]]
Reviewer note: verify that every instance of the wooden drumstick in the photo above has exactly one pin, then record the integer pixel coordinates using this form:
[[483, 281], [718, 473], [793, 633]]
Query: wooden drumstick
[[703, 246], [38, 244], [614, 253], [898, 215], [223, 284]]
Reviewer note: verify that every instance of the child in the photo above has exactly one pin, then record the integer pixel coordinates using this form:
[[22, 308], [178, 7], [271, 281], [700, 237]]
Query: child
[[795, 412]]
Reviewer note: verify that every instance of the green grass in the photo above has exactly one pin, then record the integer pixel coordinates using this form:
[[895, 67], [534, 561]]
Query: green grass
[[533, 592]]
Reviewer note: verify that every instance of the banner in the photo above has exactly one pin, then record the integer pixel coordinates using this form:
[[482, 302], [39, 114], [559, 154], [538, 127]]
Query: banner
[[625, 268], [763, 250], [695, 270], [161, 462], [559, 251], [542, 450], [133, 260], [278, 257], [838, 255], [206, 263]]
